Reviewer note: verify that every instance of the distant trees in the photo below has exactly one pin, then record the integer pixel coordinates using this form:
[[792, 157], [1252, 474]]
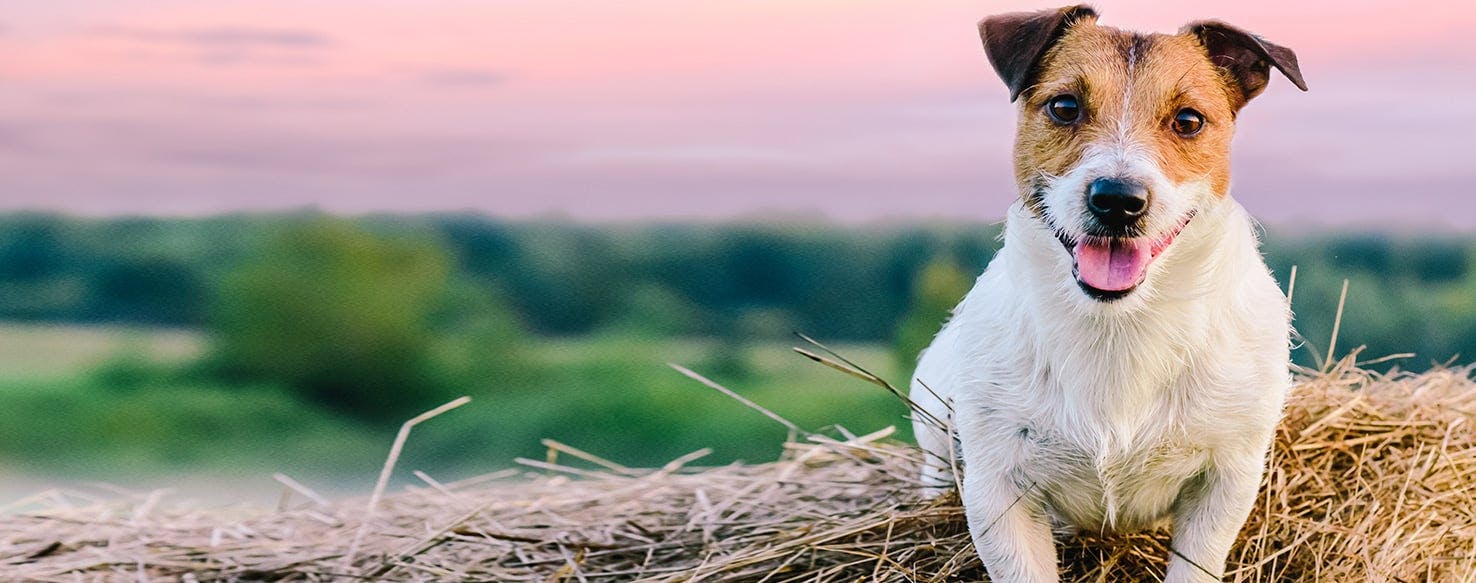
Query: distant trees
[[34, 258], [347, 316], [130, 271], [160, 291], [337, 312], [940, 286], [457, 276]]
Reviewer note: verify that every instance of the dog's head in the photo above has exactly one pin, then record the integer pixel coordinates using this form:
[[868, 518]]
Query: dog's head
[[1124, 137]]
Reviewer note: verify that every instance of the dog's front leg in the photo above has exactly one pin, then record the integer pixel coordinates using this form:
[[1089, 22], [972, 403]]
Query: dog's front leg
[[1209, 516], [1010, 530], [1006, 512]]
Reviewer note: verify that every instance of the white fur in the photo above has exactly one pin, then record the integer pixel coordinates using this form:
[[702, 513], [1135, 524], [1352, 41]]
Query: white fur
[[1111, 415]]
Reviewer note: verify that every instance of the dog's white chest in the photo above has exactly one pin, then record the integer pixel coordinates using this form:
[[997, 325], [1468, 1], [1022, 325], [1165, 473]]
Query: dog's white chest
[[1113, 487]]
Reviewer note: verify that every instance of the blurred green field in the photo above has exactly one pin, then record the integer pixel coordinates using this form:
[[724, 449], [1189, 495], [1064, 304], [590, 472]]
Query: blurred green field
[[38, 351], [104, 403]]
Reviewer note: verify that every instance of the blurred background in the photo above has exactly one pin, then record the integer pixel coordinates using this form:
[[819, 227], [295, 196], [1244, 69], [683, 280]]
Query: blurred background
[[239, 238]]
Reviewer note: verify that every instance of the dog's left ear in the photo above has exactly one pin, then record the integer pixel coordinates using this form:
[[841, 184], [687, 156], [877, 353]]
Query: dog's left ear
[[1246, 57]]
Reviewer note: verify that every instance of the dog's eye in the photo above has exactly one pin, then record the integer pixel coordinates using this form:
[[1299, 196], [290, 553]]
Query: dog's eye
[[1064, 109], [1188, 122]]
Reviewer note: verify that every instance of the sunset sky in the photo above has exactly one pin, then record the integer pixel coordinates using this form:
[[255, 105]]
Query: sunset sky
[[856, 110]]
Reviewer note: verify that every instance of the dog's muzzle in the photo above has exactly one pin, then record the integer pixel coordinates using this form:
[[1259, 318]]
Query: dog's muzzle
[[1113, 253]]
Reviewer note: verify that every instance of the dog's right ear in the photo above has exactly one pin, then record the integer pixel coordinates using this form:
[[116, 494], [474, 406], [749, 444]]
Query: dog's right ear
[[1015, 42]]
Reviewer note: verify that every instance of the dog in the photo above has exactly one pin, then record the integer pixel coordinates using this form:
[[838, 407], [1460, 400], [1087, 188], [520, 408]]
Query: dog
[[1123, 360]]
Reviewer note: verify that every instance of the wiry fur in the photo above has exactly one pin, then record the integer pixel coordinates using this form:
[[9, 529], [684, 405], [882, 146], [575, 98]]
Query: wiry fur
[[1112, 415]]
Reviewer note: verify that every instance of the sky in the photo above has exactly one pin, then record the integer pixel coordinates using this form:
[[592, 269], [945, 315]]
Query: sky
[[855, 110]]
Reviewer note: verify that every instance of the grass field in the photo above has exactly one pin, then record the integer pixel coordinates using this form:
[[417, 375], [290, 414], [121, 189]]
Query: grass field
[[35, 351], [74, 411]]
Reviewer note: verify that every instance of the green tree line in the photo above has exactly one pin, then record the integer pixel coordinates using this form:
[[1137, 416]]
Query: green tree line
[[1408, 293]]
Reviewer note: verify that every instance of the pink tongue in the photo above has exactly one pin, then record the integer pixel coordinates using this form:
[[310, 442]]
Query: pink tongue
[[1111, 264]]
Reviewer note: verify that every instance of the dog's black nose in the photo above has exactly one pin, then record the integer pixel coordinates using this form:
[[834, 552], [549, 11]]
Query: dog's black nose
[[1116, 202]]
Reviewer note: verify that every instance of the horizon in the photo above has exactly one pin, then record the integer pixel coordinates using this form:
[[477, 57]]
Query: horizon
[[1286, 228], [660, 111]]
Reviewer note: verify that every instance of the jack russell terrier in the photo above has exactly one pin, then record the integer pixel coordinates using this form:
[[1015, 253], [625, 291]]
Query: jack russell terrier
[[1124, 358]]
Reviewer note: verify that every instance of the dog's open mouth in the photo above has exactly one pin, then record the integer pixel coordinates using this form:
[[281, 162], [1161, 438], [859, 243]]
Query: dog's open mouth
[[1108, 268]]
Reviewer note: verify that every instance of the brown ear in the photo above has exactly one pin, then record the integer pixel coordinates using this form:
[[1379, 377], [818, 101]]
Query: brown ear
[[1247, 57], [1015, 42]]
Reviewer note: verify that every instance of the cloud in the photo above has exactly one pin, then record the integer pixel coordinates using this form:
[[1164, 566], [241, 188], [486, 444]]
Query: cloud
[[225, 37], [224, 46], [399, 155], [225, 58], [464, 77]]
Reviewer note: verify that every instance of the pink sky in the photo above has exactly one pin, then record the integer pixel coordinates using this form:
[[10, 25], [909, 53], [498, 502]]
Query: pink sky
[[852, 109]]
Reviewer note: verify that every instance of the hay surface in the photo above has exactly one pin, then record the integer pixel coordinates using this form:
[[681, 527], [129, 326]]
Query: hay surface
[[1372, 480]]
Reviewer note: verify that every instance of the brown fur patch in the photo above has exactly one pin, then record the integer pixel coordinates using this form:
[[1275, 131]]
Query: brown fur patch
[[1129, 86]]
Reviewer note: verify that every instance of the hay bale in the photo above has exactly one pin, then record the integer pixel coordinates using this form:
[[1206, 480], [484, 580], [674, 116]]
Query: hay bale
[[1372, 480]]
